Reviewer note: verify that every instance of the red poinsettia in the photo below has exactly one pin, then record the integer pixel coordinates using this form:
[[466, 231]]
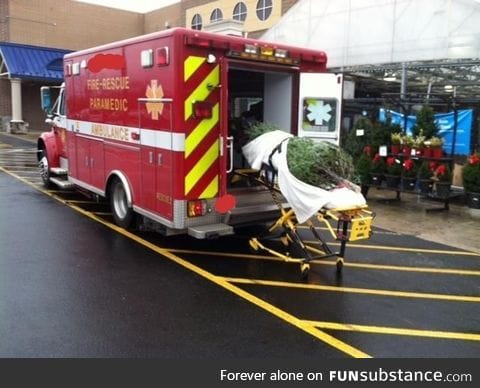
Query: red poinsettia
[[409, 168], [474, 159], [443, 173]]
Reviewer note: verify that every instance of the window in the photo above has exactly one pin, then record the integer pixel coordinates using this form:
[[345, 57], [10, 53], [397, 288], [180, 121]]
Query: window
[[240, 12], [264, 9], [196, 22], [216, 16], [319, 114]]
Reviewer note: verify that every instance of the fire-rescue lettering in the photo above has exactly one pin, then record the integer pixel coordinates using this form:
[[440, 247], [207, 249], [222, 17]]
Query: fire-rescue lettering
[[111, 132], [112, 83], [105, 103]]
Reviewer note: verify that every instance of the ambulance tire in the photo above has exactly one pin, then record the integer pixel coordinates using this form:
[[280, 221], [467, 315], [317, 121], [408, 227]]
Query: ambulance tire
[[44, 168], [122, 213]]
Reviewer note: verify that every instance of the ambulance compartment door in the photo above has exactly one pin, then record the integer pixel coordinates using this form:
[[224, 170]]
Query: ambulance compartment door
[[320, 102], [156, 142]]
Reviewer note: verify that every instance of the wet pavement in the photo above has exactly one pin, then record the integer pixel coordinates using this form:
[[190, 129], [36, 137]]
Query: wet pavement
[[74, 285]]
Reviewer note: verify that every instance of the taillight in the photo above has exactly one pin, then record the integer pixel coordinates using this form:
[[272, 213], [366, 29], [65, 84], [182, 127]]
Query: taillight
[[202, 109], [196, 208]]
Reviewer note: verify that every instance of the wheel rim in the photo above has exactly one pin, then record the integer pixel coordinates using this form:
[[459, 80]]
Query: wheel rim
[[120, 201], [43, 167]]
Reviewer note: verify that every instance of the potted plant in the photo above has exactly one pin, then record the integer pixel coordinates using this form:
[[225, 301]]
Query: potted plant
[[424, 176], [419, 145], [396, 142], [409, 174], [471, 180], [394, 171], [362, 171], [377, 170], [407, 145], [443, 178], [436, 144]]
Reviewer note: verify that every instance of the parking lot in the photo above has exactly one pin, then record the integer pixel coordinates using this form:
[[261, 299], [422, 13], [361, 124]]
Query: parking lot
[[399, 295]]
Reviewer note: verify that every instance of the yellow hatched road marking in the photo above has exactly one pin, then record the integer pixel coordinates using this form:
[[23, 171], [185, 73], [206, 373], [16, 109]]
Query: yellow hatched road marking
[[394, 330], [194, 139], [201, 167], [191, 65], [366, 291], [202, 91], [443, 271], [294, 321]]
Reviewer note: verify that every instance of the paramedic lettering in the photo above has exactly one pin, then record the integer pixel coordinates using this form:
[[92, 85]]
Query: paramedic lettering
[[115, 104]]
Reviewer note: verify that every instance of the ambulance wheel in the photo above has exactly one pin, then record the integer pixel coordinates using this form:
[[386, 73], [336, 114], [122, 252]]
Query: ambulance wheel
[[122, 212], [44, 168]]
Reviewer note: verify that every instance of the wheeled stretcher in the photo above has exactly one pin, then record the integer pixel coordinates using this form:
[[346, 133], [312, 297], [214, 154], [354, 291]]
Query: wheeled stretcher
[[343, 224]]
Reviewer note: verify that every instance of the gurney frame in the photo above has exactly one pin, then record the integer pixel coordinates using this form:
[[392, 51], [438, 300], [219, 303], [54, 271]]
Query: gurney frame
[[352, 224]]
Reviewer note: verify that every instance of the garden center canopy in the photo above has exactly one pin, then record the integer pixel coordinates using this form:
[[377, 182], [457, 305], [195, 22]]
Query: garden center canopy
[[429, 45]]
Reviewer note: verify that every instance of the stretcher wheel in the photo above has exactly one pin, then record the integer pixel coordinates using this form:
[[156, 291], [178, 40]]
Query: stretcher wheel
[[284, 240], [253, 244], [304, 269], [339, 265]]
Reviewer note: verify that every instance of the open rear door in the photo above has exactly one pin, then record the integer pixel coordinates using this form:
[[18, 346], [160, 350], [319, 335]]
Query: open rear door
[[320, 103]]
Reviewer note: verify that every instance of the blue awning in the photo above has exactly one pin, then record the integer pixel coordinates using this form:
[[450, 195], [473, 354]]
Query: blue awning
[[31, 62]]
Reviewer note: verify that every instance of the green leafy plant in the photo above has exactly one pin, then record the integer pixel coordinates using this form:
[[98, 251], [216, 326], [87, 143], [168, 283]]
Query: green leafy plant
[[425, 124], [378, 165], [426, 169], [471, 174], [396, 138], [362, 169], [435, 141], [394, 167]]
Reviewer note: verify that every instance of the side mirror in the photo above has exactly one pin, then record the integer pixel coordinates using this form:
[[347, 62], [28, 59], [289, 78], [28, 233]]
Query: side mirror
[[46, 98]]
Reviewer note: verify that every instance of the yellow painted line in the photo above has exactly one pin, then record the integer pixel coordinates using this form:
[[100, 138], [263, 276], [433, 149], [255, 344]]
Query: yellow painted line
[[246, 256], [394, 331], [201, 167], [366, 291], [2, 145], [283, 315], [402, 249]]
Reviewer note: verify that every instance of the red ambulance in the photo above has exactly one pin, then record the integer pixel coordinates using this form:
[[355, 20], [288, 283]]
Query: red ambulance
[[149, 124]]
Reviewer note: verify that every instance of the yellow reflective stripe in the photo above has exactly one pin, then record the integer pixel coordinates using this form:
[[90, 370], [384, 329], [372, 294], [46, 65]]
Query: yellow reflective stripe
[[201, 167], [211, 190], [201, 131], [191, 65], [202, 91]]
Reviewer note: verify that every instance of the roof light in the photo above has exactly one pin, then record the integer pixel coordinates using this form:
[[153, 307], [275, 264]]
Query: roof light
[[251, 49], [146, 58], [162, 56], [268, 51], [280, 53]]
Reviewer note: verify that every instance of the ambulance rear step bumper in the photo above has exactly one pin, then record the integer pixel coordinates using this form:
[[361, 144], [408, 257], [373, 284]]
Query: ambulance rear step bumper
[[62, 183], [253, 214], [210, 231]]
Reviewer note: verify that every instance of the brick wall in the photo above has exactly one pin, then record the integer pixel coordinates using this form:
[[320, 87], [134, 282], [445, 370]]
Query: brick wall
[[155, 20], [3, 20], [70, 24]]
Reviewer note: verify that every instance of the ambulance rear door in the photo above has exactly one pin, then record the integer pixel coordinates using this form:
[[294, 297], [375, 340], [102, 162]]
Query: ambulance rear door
[[320, 102]]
